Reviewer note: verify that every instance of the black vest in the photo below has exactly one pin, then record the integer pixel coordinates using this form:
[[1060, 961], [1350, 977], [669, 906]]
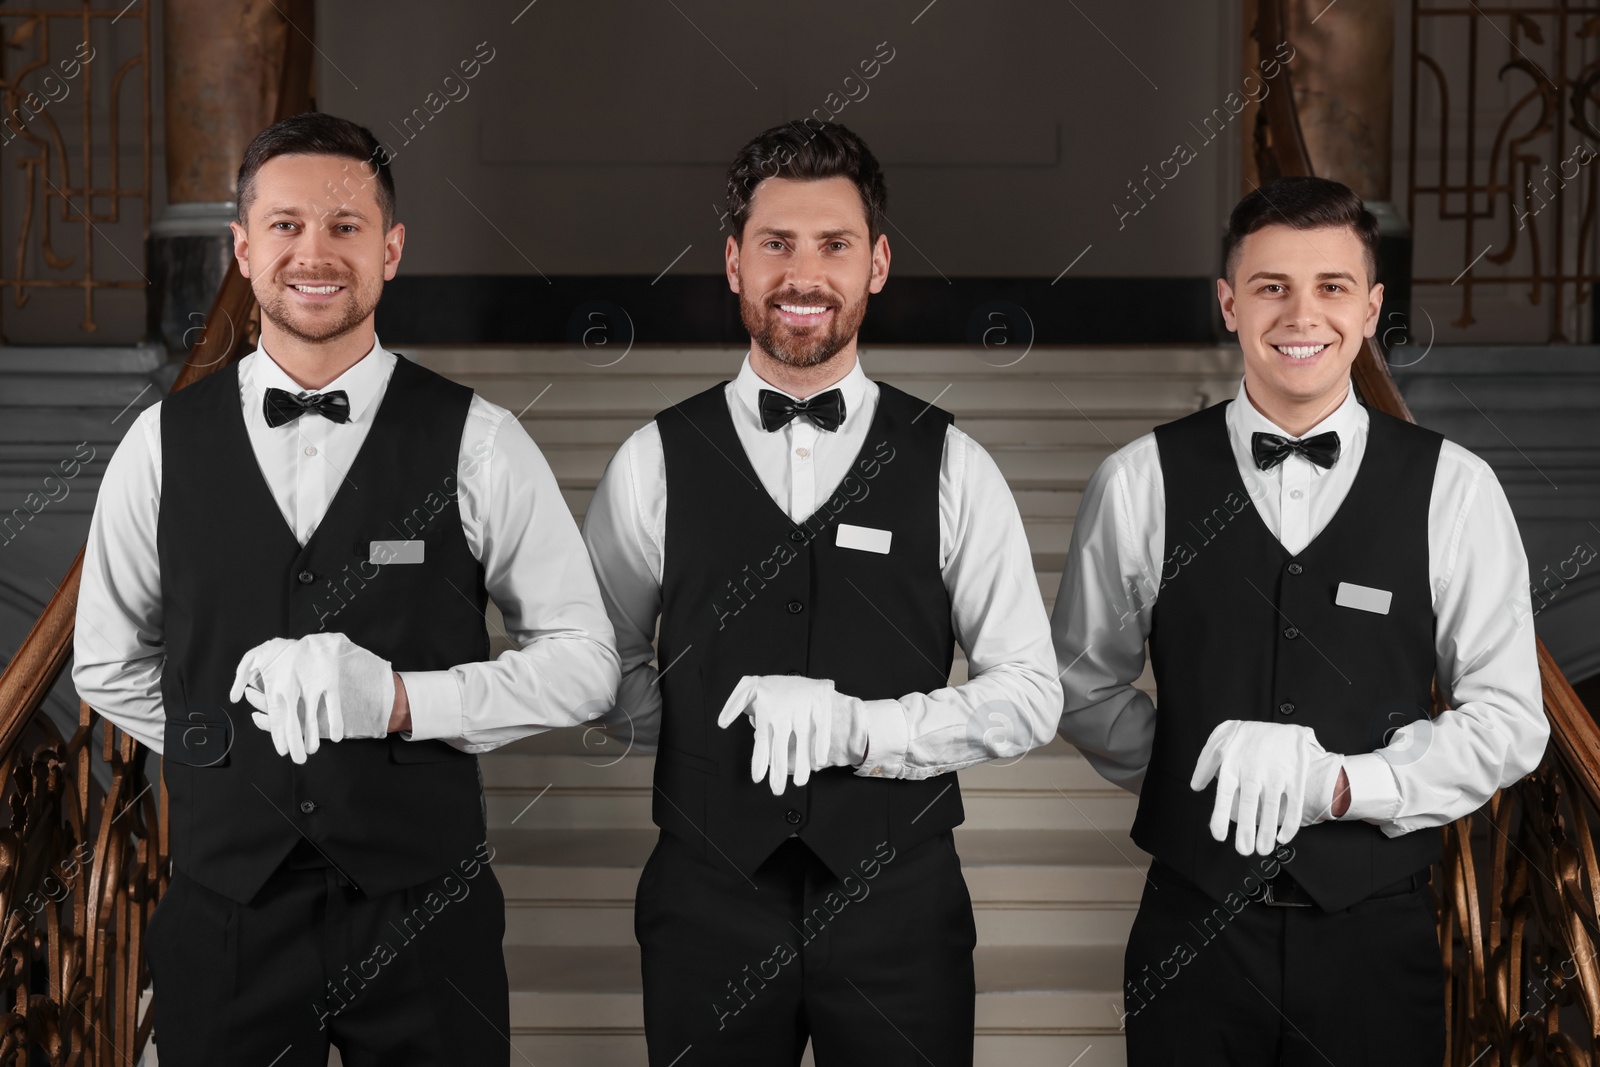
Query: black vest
[[1244, 630], [747, 591], [387, 812]]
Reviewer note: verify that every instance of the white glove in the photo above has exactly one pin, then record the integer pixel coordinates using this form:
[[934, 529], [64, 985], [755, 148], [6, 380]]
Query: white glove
[[320, 685], [1272, 779], [797, 720]]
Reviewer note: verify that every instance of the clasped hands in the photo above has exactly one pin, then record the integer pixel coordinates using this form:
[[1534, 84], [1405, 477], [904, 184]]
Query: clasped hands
[[308, 688], [1272, 779], [803, 722]]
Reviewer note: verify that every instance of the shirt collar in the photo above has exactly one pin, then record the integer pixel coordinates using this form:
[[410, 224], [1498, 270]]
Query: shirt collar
[[748, 385], [1244, 419], [362, 382]]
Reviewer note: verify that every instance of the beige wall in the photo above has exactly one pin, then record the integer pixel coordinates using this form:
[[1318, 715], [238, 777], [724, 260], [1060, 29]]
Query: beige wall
[[596, 137]]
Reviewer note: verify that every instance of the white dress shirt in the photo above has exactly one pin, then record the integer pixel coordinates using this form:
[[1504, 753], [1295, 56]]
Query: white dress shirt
[[564, 669], [1432, 771], [1011, 701]]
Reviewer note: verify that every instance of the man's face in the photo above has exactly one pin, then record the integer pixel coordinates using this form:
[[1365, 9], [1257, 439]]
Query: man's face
[[314, 245], [804, 268], [1302, 305]]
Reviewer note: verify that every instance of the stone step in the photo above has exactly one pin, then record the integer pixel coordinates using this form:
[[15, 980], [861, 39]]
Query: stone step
[[1005, 869], [641, 397], [885, 362]]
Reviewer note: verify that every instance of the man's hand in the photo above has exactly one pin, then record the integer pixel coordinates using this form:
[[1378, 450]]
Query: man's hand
[[802, 715], [320, 685], [1272, 779]]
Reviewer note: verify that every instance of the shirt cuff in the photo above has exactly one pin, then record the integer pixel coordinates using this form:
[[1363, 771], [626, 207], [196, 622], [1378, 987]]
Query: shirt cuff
[[435, 699], [888, 737], [1374, 794]]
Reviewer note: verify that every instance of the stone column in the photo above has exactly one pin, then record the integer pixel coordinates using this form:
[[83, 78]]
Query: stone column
[[220, 77]]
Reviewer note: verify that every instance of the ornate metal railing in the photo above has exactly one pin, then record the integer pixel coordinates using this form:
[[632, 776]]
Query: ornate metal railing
[[50, 56], [1516, 890], [82, 863], [1525, 197]]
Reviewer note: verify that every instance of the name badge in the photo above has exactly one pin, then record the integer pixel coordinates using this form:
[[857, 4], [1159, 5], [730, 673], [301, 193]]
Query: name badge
[[395, 552], [864, 538], [1363, 598]]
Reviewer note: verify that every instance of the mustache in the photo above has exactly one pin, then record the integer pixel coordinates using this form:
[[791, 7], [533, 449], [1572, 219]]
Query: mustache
[[815, 298]]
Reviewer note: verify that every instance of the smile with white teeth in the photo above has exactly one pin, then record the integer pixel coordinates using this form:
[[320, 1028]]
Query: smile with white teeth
[[800, 309], [317, 290], [1300, 351]]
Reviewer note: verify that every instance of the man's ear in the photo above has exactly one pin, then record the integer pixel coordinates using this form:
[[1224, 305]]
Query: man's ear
[[241, 248], [880, 264], [1374, 306], [393, 243], [1225, 300], [730, 258]]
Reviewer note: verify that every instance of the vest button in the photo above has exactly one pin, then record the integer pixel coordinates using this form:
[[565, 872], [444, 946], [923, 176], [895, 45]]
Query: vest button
[[797, 536], [792, 817], [1286, 708], [1290, 632], [307, 577], [1295, 568], [308, 806], [795, 607]]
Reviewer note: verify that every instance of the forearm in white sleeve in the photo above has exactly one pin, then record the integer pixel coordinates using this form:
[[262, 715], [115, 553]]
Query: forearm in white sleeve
[[118, 644], [1102, 614]]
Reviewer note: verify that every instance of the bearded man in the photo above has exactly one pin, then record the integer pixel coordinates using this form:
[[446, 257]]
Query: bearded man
[[813, 544]]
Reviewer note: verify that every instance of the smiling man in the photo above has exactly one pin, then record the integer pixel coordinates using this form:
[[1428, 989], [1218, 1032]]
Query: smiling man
[[283, 593], [813, 544], [1302, 567]]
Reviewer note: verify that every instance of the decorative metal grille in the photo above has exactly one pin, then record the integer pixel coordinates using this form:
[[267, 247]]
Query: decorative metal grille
[[1503, 146], [61, 146]]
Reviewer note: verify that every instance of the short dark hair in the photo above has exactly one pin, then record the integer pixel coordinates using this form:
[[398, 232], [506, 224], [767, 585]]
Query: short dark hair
[[807, 150], [314, 133], [1305, 203]]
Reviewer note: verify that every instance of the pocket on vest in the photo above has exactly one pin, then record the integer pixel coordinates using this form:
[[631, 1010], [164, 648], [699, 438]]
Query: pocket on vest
[[688, 759], [197, 742]]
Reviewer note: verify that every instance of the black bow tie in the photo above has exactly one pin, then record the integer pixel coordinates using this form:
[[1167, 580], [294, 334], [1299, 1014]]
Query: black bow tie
[[1270, 450], [282, 406], [824, 409]]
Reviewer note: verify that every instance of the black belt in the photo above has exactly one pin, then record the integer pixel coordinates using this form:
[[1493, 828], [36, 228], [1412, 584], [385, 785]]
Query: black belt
[[1282, 891]]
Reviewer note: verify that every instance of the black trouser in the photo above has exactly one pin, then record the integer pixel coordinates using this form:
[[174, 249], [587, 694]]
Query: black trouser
[[1290, 986], [413, 977], [874, 969]]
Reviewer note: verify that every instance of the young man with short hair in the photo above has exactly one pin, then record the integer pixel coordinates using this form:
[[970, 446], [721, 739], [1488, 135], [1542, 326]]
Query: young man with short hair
[[283, 594], [814, 544], [1302, 567]]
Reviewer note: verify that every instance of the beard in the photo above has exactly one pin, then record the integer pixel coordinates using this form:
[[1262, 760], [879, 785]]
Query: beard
[[314, 329], [805, 346]]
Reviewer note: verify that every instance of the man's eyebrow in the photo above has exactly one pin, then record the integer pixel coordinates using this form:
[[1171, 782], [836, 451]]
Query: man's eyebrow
[[1324, 276], [294, 211], [825, 235]]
